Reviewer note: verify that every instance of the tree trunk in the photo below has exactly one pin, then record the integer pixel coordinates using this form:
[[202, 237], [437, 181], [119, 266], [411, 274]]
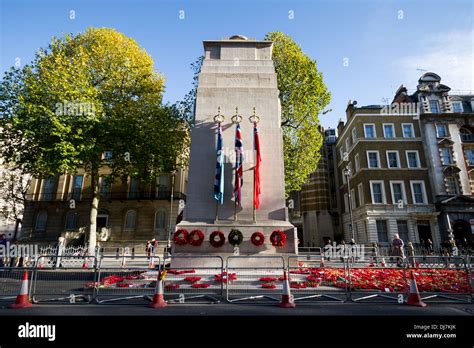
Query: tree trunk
[[17, 226], [94, 211]]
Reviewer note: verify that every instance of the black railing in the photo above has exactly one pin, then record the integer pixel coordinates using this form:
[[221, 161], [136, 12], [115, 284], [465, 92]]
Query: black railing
[[121, 196]]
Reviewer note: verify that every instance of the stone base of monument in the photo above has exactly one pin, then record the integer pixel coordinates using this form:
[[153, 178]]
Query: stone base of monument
[[265, 255]]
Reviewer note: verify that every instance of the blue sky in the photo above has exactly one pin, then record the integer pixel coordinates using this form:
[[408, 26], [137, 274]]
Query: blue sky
[[383, 43]]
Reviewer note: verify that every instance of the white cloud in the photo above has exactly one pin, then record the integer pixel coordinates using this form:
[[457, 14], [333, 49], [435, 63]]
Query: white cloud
[[448, 54]]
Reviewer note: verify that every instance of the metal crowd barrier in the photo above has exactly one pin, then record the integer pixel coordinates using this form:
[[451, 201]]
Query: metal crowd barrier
[[186, 283], [130, 282], [380, 279], [262, 282], [313, 280], [442, 279], [10, 281], [70, 284]]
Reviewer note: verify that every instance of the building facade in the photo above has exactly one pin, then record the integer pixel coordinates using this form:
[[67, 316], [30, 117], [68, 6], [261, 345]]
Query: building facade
[[128, 211], [384, 177], [447, 128], [319, 200]]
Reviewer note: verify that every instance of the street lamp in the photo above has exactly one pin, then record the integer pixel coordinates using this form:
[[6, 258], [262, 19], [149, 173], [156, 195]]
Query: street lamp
[[348, 174], [450, 229], [168, 246]]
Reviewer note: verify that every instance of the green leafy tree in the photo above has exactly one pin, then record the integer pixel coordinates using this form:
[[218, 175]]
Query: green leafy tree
[[85, 94], [303, 96]]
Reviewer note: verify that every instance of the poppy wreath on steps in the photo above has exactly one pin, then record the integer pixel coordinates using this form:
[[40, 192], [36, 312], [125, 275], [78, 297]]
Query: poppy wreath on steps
[[235, 237], [258, 238], [217, 239], [196, 237], [180, 237], [278, 238]]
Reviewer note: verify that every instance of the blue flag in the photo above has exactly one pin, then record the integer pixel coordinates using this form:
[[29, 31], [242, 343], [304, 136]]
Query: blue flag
[[219, 178]]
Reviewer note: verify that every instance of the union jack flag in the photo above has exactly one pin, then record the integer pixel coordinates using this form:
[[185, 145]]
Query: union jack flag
[[239, 171]]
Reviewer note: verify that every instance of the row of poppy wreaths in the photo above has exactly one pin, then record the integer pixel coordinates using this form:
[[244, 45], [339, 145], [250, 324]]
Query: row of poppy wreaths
[[235, 237]]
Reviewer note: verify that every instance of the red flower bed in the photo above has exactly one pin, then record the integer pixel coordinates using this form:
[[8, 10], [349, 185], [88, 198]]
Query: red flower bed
[[267, 279], [176, 271], [298, 285], [268, 286], [224, 277], [192, 279], [200, 285], [171, 286]]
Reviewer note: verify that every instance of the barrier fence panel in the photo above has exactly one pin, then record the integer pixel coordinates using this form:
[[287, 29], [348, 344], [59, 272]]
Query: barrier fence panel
[[132, 282], [62, 280], [313, 279], [380, 279], [254, 279], [126, 257], [10, 281], [442, 279], [194, 279]]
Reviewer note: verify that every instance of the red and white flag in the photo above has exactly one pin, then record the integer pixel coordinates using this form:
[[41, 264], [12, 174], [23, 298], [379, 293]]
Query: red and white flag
[[256, 171]]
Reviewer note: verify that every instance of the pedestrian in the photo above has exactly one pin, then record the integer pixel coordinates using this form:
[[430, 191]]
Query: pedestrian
[[397, 249], [342, 248], [429, 246], [148, 249], [153, 246], [411, 253], [60, 250]]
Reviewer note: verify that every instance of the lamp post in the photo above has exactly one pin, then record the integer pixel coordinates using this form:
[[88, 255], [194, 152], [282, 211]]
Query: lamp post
[[168, 246], [450, 229], [348, 174]]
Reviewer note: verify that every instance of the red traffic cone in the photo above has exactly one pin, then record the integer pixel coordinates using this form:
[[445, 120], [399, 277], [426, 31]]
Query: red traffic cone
[[414, 298], [22, 300], [286, 298], [158, 297]]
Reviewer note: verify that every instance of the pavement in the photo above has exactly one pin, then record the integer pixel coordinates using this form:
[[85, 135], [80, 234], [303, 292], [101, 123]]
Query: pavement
[[227, 309]]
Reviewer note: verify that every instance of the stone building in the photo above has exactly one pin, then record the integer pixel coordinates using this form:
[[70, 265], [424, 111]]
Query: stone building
[[129, 211], [447, 129], [386, 185], [319, 199]]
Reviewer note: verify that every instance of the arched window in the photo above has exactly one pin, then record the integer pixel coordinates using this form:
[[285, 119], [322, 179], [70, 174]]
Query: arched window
[[160, 220], [130, 220], [41, 219], [451, 180], [71, 221]]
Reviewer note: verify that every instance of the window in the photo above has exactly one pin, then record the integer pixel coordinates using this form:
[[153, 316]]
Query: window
[[434, 106], [402, 229], [341, 153], [452, 185], [457, 106], [382, 234], [413, 159], [373, 159], [398, 192], [107, 155], [388, 130], [346, 202], [354, 135], [162, 186], [160, 220], [369, 131], [105, 187], [377, 192], [446, 156], [360, 190], [357, 162], [133, 190], [408, 130], [77, 187], [41, 219], [470, 157], [353, 199], [48, 189], [71, 221], [348, 145], [441, 130], [130, 220], [418, 192], [393, 159]]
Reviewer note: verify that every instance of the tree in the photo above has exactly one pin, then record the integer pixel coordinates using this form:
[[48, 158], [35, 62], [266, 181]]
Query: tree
[[303, 97], [85, 94]]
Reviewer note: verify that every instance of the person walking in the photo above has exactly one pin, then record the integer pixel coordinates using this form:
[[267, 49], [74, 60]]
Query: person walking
[[397, 249], [148, 249], [411, 254]]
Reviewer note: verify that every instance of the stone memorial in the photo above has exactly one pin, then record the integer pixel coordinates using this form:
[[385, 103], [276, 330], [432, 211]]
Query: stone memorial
[[237, 85]]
